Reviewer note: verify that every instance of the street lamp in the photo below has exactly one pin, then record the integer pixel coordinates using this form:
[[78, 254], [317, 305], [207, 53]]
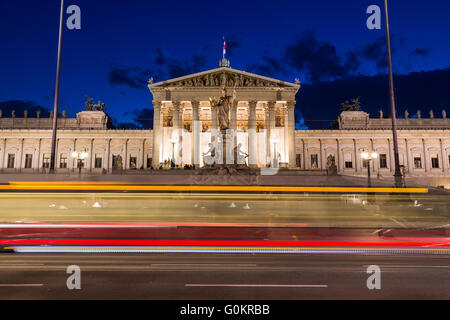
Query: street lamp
[[397, 174], [173, 141], [80, 157], [368, 156], [275, 141], [58, 76]]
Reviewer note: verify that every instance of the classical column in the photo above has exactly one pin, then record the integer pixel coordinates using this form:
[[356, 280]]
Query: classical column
[[338, 155], [356, 155], [176, 131], [425, 156], [108, 155], [19, 158], [322, 156], [253, 159], [408, 157], [267, 130], [304, 155], [233, 116], [156, 134], [444, 157], [391, 159], [291, 132], [2, 154], [91, 155], [125, 155], [144, 163], [196, 127], [214, 120], [271, 127], [374, 164]]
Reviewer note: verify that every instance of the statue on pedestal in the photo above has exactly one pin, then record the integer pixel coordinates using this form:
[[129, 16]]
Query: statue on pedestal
[[223, 106]]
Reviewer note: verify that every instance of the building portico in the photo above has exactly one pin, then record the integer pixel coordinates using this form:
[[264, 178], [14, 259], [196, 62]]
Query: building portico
[[262, 114]]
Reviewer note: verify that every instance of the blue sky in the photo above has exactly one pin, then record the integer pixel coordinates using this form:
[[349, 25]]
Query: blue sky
[[121, 44]]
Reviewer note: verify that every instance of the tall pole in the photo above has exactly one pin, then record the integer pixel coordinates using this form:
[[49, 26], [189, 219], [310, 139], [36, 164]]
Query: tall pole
[[397, 174], [55, 109], [369, 183]]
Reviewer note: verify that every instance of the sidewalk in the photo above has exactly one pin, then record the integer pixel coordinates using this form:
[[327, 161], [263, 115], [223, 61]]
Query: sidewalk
[[194, 178]]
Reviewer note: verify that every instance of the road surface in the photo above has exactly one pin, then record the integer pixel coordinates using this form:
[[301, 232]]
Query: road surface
[[228, 276]]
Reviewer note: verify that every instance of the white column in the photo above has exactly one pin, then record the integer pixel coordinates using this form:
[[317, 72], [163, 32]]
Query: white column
[[2, 154], [291, 132], [143, 157], [355, 146], [156, 134], [91, 155], [252, 161], [391, 158], [176, 132], [304, 155], [444, 157], [338, 156], [322, 156], [408, 157], [106, 161], [425, 156], [125, 164], [19, 156], [196, 127]]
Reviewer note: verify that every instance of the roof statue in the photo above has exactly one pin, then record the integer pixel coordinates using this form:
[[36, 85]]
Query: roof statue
[[94, 107], [355, 105]]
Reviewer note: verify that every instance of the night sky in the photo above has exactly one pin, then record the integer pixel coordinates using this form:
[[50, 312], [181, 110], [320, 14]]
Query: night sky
[[122, 44]]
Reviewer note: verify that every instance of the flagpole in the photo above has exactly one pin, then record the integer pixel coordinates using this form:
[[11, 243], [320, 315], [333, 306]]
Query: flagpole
[[397, 174], [58, 76]]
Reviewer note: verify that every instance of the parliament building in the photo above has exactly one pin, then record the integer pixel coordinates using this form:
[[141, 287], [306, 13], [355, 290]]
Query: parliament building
[[261, 115]]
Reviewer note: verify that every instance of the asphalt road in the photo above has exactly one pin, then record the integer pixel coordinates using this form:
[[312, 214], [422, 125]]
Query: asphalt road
[[229, 277], [307, 210]]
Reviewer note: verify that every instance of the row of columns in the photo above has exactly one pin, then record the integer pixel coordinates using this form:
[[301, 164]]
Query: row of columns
[[71, 163], [196, 128], [409, 161]]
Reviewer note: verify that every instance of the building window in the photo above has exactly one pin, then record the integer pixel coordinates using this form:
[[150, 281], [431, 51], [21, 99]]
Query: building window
[[435, 162], [417, 162], [133, 162], [46, 161], [63, 161], [98, 162], [11, 161], [298, 160], [314, 161], [383, 161], [348, 163], [28, 161]]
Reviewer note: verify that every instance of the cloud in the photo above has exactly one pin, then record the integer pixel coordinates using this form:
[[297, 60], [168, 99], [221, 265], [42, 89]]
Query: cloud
[[416, 90], [144, 118], [319, 59], [269, 66], [133, 77], [19, 106], [376, 51], [173, 68], [420, 52]]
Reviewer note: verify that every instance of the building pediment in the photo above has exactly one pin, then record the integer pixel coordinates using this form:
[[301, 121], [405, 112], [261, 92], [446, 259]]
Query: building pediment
[[223, 76]]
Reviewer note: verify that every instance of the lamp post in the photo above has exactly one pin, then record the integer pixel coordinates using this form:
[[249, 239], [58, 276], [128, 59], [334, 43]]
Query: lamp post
[[55, 108], [173, 141], [397, 174], [275, 159], [80, 157], [368, 156]]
